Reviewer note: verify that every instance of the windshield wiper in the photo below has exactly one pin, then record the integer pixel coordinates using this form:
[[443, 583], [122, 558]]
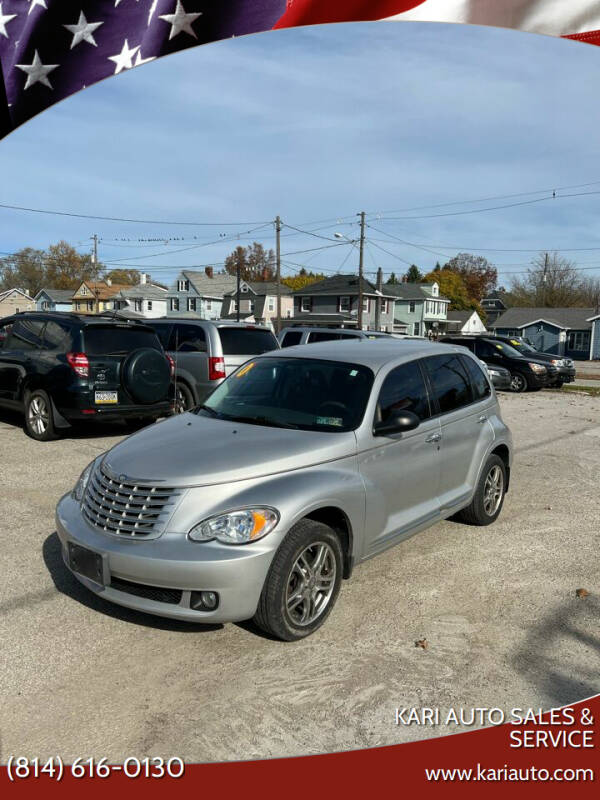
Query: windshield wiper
[[263, 421], [209, 409]]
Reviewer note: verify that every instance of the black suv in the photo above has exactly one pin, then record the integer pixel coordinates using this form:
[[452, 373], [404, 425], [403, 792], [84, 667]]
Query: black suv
[[565, 366], [525, 372], [60, 368]]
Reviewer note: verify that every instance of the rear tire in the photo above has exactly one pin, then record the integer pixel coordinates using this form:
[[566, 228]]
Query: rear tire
[[184, 399], [39, 423], [518, 382], [489, 495], [303, 582]]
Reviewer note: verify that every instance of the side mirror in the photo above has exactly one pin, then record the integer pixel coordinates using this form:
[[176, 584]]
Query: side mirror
[[398, 422]]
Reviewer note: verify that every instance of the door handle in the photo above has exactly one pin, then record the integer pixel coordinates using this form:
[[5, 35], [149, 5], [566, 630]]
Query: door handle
[[482, 418], [435, 437]]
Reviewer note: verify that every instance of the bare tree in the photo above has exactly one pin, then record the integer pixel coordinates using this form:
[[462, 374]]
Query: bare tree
[[552, 281]]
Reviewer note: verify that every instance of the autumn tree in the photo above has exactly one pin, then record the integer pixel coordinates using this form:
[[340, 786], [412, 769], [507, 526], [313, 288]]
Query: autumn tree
[[58, 267], [478, 274], [124, 277], [302, 279], [254, 263], [453, 287]]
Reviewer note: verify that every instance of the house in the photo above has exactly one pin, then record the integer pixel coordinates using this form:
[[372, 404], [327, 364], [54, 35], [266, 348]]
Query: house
[[494, 305], [563, 331], [465, 322], [258, 302], [145, 300], [419, 308], [595, 338], [54, 300], [200, 293], [95, 297], [14, 300], [334, 302]]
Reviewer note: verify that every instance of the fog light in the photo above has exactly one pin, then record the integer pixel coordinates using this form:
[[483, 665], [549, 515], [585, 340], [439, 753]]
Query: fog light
[[204, 601]]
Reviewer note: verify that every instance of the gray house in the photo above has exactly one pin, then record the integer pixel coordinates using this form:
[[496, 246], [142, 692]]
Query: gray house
[[200, 293], [334, 302], [54, 299], [494, 305], [595, 342], [419, 308], [563, 331], [258, 302]]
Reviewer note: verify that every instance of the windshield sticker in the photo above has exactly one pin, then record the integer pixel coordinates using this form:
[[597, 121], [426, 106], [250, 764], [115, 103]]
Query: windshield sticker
[[515, 343], [353, 373], [335, 422], [245, 370], [499, 346]]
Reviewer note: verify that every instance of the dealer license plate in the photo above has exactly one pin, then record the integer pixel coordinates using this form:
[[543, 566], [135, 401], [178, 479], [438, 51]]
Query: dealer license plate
[[85, 562], [106, 398]]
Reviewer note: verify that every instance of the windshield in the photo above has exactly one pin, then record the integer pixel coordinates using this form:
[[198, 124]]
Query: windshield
[[308, 394], [523, 346]]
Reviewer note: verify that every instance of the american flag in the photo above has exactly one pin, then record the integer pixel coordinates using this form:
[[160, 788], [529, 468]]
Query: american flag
[[50, 49]]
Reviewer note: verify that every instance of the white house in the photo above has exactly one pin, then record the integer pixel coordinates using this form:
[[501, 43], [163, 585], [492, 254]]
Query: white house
[[465, 322], [146, 299]]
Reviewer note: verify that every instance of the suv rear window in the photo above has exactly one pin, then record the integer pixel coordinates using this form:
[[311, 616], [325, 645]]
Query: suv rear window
[[246, 341], [100, 340], [291, 338]]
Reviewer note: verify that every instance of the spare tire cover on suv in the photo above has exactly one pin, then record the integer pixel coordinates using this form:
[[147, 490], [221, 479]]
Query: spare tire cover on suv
[[146, 375]]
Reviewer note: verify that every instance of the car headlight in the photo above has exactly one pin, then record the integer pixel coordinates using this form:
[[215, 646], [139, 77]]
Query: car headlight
[[558, 362], [79, 488], [537, 368], [236, 527]]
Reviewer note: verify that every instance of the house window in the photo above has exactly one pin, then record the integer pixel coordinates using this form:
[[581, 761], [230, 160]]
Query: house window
[[344, 304], [45, 305], [416, 329], [411, 306], [149, 305], [251, 305], [579, 340], [233, 305], [271, 304], [137, 305], [191, 304], [83, 290], [366, 305], [174, 304], [384, 306], [90, 305], [183, 286], [208, 304], [306, 304]]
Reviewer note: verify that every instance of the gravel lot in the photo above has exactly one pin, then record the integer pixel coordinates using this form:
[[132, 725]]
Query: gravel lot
[[80, 677]]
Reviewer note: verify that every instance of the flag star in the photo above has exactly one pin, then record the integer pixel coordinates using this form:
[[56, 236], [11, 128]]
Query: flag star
[[34, 3], [83, 31], [139, 60], [4, 19], [180, 21], [124, 60], [152, 10], [37, 72]]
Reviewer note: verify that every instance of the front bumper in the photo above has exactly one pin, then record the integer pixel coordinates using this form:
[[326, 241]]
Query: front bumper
[[171, 562]]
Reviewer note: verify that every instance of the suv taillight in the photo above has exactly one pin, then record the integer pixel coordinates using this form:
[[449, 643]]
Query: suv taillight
[[79, 363], [171, 361], [216, 368]]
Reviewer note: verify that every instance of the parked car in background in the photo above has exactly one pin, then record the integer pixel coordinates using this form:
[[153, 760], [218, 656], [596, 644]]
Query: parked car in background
[[565, 366], [499, 376], [302, 464], [59, 368], [291, 336], [206, 351], [526, 373]]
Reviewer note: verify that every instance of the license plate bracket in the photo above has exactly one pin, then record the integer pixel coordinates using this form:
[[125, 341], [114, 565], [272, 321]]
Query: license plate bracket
[[86, 563]]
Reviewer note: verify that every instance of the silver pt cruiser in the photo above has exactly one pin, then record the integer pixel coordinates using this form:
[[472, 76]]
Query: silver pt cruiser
[[298, 467]]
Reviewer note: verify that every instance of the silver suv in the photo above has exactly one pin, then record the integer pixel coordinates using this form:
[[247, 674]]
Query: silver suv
[[204, 352], [302, 464]]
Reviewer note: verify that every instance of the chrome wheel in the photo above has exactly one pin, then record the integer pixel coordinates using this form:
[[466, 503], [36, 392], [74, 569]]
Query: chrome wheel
[[493, 489], [310, 584], [38, 415], [518, 383], [180, 406]]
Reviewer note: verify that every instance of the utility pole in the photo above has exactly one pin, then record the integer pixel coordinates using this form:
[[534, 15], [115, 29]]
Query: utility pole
[[95, 261], [237, 295], [278, 254], [360, 271], [544, 280]]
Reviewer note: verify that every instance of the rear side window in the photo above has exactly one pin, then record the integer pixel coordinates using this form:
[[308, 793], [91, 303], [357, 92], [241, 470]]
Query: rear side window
[[449, 382], [187, 339], [57, 337], [25, 335], [404, 390], [99, 340], [291, 338], [246, 341], [468, 343], [480, 386], [163, 331], [322, 336]]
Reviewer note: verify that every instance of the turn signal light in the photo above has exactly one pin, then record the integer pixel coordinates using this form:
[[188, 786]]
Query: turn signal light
[[79, 364], [216, 368]]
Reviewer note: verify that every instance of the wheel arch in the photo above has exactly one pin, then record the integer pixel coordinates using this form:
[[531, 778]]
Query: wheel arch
[[338, 521], [503, 452]]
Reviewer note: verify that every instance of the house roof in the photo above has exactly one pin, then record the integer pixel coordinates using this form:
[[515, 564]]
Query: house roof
[[57, 295], [211, 287], [101, 289], [143, 292], [563, 318], [340, 285], [461, 316], [411, 291], [7, 292], [322, 319]]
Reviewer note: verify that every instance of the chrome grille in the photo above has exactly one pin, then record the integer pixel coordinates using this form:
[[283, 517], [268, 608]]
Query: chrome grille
[[126, 507]]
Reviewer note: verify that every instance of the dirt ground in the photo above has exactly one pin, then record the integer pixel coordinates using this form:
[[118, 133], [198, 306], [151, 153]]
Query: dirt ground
[[81, 677]]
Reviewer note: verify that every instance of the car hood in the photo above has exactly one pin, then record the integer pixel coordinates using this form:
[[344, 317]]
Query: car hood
[[191, 450]]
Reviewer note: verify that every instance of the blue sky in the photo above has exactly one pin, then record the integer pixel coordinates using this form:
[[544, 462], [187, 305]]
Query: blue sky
[[316, 124]]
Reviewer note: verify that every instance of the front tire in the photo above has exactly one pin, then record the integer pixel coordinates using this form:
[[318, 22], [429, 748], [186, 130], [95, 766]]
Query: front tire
[[38, 416], [489, 495], [303, 582], [518, 382]]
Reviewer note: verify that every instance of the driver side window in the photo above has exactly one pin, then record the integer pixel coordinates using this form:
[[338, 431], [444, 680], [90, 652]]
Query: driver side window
[[403, 390]]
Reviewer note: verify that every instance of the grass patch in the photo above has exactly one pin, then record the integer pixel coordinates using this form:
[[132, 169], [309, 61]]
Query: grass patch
[[593, 390]]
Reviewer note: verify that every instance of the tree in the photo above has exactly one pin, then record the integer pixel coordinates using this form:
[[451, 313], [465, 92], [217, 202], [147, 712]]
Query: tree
[[453, 287], [393, 280], [413, 274], [124, 277], [302, 279], [254, 262], [58, 267], [552, 281], [478, 274]]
